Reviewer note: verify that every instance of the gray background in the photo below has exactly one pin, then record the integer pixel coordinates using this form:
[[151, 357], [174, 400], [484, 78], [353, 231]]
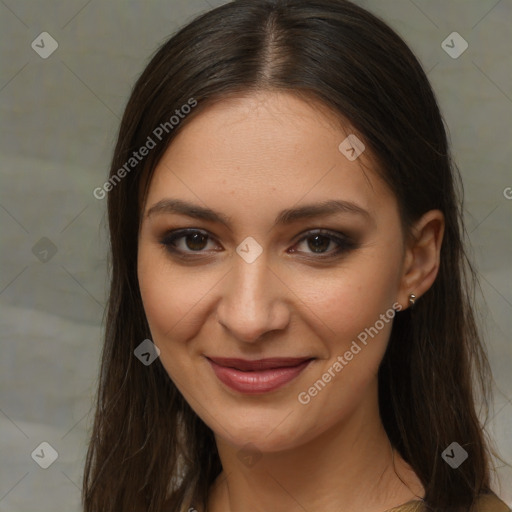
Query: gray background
[[60, 117]]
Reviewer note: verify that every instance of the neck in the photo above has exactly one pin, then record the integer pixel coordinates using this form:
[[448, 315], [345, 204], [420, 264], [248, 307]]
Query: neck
[[350, 467]]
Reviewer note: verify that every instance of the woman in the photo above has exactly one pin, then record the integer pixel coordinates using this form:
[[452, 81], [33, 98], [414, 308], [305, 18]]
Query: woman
[[290, 323]]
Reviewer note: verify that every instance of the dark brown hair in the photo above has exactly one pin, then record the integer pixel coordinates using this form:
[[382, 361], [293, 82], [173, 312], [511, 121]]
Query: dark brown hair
[[148, 447]]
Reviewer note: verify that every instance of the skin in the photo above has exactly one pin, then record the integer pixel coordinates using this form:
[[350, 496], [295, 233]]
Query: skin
[[250, 157]]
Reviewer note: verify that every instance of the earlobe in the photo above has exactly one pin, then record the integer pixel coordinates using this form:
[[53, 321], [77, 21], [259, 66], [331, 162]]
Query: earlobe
[[422, 258]]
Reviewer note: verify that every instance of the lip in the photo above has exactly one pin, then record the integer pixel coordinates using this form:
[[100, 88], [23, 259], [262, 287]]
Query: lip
[[260, 376]]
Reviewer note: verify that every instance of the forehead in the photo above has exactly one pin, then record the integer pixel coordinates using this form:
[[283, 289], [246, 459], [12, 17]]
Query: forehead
[[262, 149]]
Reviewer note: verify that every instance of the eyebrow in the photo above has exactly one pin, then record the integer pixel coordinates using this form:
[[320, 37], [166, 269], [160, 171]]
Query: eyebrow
[[288, 216]]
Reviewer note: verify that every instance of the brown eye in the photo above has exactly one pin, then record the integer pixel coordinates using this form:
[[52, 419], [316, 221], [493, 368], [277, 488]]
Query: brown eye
[[186, 241], [319, 243], [196, 241]]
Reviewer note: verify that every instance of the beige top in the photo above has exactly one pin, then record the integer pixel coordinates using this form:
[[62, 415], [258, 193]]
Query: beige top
[[486, 503]]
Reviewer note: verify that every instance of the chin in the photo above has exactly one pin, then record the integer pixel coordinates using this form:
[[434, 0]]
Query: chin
[[263, 436]]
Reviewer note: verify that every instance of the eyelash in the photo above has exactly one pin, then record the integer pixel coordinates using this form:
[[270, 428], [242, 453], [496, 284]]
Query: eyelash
[[345, 244]]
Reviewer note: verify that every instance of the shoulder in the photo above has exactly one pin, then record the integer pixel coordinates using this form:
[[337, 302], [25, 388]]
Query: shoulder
[[490, 503]]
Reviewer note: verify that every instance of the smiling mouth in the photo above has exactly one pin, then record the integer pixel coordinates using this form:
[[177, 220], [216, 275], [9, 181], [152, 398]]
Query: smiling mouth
[[260, 376]]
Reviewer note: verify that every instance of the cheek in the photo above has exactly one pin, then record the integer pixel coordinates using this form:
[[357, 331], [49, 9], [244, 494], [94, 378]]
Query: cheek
[[352, 313], [176, 307], [168, 294], [164, 295], [157, 293], [351, 298]]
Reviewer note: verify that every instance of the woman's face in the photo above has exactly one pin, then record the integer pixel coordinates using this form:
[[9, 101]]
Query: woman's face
[[253, 279]]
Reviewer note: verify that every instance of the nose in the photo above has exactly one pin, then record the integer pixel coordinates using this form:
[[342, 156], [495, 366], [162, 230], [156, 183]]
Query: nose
[[254, 301]]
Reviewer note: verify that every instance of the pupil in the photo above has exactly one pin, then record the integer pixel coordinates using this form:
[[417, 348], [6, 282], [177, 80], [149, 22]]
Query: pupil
[[196, 244], [317, 244]]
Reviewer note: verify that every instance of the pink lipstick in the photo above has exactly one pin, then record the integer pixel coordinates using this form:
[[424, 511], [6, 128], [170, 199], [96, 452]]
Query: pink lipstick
[[255, 377]]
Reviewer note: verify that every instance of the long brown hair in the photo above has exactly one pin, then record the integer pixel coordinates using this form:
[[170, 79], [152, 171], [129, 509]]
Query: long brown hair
[[148, 447]]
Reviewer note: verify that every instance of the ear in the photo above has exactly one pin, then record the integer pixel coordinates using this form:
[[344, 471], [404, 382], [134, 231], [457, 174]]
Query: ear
[[422, 256]]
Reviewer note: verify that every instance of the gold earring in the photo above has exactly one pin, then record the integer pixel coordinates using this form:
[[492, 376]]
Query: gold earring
[[412, 299]]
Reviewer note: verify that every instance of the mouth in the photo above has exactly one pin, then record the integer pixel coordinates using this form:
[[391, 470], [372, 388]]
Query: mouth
[[259, 376]]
